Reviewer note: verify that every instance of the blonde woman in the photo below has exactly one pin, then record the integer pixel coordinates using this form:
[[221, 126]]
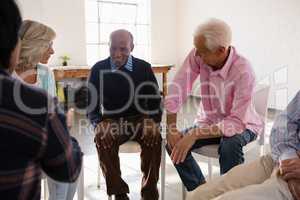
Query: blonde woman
[[36, 50]]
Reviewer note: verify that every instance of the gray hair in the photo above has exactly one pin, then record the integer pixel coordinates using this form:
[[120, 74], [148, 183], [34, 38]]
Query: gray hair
[[35, 40], [216, 32]]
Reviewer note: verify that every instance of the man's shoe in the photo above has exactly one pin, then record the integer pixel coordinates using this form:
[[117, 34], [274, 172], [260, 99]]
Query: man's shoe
[[121, 197]]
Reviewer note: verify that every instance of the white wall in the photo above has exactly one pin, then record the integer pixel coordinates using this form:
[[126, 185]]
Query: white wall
[[267, 32], [164, 31], [67, 17]]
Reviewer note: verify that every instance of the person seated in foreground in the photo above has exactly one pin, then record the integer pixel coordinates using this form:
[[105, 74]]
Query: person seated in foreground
[[271, 177], [34, 136]]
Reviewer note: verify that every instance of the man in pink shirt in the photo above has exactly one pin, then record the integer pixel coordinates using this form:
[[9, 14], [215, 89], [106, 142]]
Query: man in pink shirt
[[227, 116]]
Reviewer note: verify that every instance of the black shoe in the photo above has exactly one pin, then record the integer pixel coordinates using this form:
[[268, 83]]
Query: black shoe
[[121, 197]]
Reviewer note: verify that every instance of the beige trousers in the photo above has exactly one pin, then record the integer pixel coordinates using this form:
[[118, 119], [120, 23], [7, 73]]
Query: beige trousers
[[253, 181]]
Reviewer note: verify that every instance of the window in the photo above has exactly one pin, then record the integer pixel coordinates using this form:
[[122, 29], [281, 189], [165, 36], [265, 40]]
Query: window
[[105, 16]]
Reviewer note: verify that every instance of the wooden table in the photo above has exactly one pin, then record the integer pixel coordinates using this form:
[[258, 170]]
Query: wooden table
[[82, 72]]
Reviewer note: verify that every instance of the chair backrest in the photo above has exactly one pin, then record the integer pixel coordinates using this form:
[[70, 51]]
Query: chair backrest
[[261, 99]]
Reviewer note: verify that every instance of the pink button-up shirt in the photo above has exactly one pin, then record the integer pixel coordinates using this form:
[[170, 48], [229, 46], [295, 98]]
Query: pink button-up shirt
[[226, 94]]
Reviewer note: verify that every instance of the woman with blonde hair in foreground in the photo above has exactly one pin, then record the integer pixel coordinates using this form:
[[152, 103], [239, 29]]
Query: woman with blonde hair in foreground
[[36, 50]]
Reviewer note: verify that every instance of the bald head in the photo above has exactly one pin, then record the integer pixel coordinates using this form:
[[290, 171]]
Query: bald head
[[120, 46], [121, 35]]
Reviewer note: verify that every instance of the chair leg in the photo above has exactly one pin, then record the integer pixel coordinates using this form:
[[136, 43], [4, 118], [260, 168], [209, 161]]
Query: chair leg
[[183, 192], [98, 176], [209, 168], [45, 189], [80, 191], [163, 170]]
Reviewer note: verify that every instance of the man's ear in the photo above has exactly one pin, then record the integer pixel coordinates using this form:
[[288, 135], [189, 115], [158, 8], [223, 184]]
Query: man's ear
[[132, 47], [221, 50]]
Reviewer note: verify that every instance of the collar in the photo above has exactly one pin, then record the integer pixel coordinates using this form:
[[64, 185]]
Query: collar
[[128, 65], [225, 69]]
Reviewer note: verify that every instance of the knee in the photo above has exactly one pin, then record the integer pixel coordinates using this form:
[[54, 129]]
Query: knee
[[157, 146], [230, 146], [154, 148]]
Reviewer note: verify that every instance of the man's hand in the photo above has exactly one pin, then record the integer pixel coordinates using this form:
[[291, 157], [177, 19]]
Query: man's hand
[[151, 133], [181, 149], [290, 170], [294, 187], [207, 132], [105, 135], [173, 137]]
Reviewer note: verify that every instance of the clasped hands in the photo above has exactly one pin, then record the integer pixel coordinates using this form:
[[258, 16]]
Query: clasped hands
[[107, 132]]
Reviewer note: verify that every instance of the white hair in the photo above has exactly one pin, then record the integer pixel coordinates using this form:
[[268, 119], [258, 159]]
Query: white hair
[[216, 33]]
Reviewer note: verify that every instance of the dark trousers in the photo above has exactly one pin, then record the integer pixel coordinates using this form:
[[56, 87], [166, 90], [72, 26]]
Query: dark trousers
[[150, 161], [230, 151]]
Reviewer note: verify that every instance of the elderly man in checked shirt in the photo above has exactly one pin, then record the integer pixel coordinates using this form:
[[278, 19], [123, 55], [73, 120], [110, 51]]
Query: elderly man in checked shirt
[[272, 177], [227, 117]]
